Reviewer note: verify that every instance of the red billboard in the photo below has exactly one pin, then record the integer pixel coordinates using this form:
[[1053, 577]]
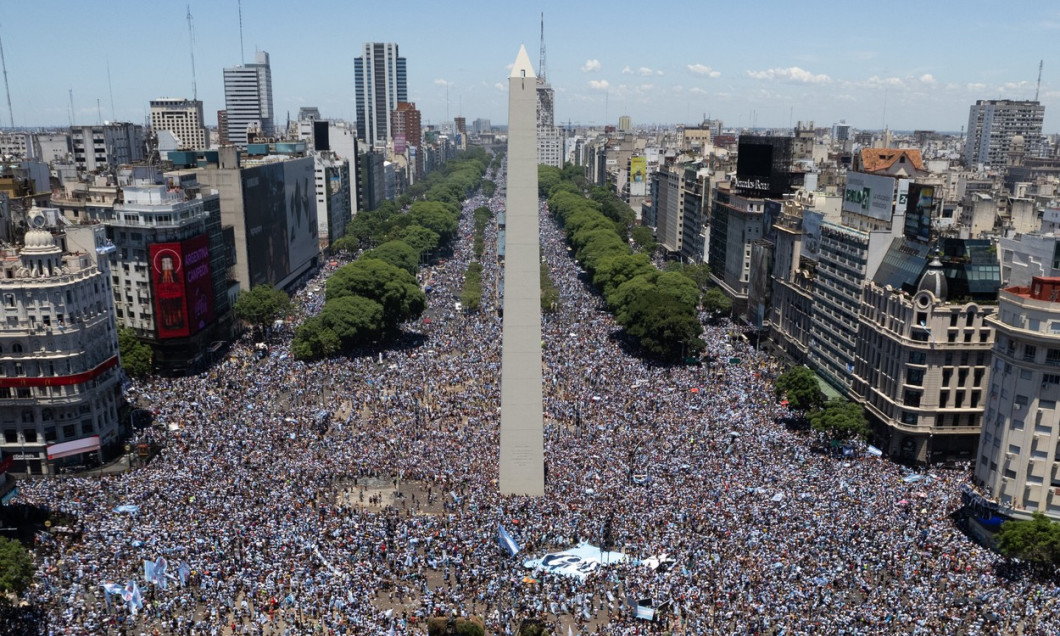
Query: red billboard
[[183, 287]]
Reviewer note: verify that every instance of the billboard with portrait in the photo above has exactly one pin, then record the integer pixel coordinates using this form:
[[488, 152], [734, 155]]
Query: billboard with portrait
[[300, 194], [811, 230], [920, 203], [167, 276], [279, 203], [638, 176], [870, 195]]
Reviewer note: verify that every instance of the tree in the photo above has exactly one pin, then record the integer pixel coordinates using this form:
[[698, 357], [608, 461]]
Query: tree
[[644, 239], [840, 419], [666, 328], [314, 340], [549, 293], [262, 305], [799, 385], [137, 358], [716, 301], [699, 273], [1036, 541], [612, 271], [392, 287], [419, 238], [397, 253], [16, 567], [354, 319], [435, 216]]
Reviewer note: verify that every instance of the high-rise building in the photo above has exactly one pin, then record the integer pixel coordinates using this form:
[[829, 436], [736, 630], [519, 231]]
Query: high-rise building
[[380, 83], [625, 123], [992, 123], [248, 100], [183, 118], [222, 127], [405, 126], [461, 125], [107, 146]]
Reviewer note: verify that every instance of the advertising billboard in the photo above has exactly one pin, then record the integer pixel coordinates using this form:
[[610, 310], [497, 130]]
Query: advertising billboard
[[811, 230], [279, 206], [920, 203], [870, 195], [399, 144], [638, 176], [198, 283], [183, 287], [763, 165], [167, 273]]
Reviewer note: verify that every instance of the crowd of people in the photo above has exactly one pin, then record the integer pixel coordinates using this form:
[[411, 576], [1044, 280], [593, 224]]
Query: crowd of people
[[273, 513]]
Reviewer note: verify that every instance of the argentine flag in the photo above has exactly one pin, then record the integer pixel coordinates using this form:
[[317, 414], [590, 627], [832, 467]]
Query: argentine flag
[[506, 541]]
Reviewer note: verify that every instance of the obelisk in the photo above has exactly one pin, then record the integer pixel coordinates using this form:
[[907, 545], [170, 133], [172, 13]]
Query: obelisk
[[522, 455]]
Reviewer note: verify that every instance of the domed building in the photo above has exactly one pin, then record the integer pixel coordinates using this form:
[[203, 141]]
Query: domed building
[[59, 373]]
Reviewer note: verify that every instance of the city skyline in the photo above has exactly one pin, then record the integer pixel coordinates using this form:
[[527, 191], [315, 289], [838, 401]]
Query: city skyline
[[907, 66]]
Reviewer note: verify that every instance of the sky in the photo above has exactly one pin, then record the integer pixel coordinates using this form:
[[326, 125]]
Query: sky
[[770, 63]]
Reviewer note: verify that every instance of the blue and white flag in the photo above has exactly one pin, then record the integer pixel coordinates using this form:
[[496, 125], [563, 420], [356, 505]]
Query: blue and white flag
[[160, 572], [113, 588], [506, 541], [183, 570], [149, 571], [130, 508]]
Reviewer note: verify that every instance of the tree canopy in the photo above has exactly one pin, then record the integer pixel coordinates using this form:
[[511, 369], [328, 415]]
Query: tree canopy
[[716, 301], [800, 387], [137, 357], [394, 288], [840, 420], [16, 567], [397, 253], [262, 305], [1036, 541]]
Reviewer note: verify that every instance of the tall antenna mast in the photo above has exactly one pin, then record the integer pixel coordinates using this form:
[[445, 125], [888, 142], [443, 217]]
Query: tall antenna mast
[[1037, 88], [541, 75], [110, 87], [71, 107], [191, 42], [7, 88], [242, 60]]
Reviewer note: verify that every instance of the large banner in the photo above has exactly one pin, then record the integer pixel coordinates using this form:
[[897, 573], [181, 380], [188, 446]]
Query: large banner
[[870, 195], [303, 237], [921, 202], [638, 176], [577, 562], [183, 286], [167, 272]]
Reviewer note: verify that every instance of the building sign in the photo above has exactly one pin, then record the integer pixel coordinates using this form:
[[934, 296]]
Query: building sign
[[183, 286], [870, 195], [638, 176]]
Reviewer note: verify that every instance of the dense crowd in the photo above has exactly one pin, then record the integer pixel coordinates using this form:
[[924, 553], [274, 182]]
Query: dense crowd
[[274, 513]]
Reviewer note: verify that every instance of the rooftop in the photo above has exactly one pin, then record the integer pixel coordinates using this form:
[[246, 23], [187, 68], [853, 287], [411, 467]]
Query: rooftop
[[881, 159]]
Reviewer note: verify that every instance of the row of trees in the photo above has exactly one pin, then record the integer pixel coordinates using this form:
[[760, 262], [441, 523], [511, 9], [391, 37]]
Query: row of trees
[[482, 219], [549, 293], [367, 300], [471, 295], [658, 308]]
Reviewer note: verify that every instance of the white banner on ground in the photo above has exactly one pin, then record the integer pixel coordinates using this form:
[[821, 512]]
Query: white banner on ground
[[577, 562]]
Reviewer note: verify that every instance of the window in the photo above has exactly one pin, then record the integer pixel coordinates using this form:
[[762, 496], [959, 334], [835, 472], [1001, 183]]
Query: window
[[1050, 378], [908, 418], [1029, 352], [912, 398], [1020, 402], [1046, 404], [975, 399], [914, 377], [69, 431], [10, 436], [958, 402], [1052, 357], [947, 375], [962, 376], [953, 319], [29, 435], [917, 357], [977, 377], [944, 399]]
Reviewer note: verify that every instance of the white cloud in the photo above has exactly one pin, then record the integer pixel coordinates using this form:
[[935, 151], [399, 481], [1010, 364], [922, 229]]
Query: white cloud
[[591, 66], [698, 91], [702, 69], [976, 86], [884, 82], [627, 70], [599, 85], [441, 82], [500, 86], [928, 78], [790, 74], [644, 71]]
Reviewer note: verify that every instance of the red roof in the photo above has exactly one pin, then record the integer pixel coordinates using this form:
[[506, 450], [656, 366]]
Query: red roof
[[882, 159]]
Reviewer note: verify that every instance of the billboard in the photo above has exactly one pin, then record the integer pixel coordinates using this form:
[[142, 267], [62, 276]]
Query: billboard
[[167, 273], [399, 144], [811, 230], [279, 206], [870, 195], [183, 286], [198, 283], [638, 176], [920, 203], [763, 165]]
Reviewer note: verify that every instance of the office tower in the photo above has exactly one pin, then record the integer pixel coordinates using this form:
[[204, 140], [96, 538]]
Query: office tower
[[522, 432], [461, 125], [107, 146], [248, 100], [183, 118], [379, 79], [992, 123], [625, 123], [405, 126]]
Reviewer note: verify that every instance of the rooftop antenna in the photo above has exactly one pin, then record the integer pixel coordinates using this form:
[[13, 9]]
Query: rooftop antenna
[[541, 62], [71, 107], [191, 42], [99, 112], [1037, 88], [110, 87], [242, 60], [7, 88]]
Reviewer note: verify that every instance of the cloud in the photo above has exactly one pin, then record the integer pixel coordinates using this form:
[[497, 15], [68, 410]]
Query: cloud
[[928, 78], [627, 70], [976, 86], [441, 82], [790, 74], [698, 91], [591, 66], [701, 69], [500, 86], [599, 85]]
